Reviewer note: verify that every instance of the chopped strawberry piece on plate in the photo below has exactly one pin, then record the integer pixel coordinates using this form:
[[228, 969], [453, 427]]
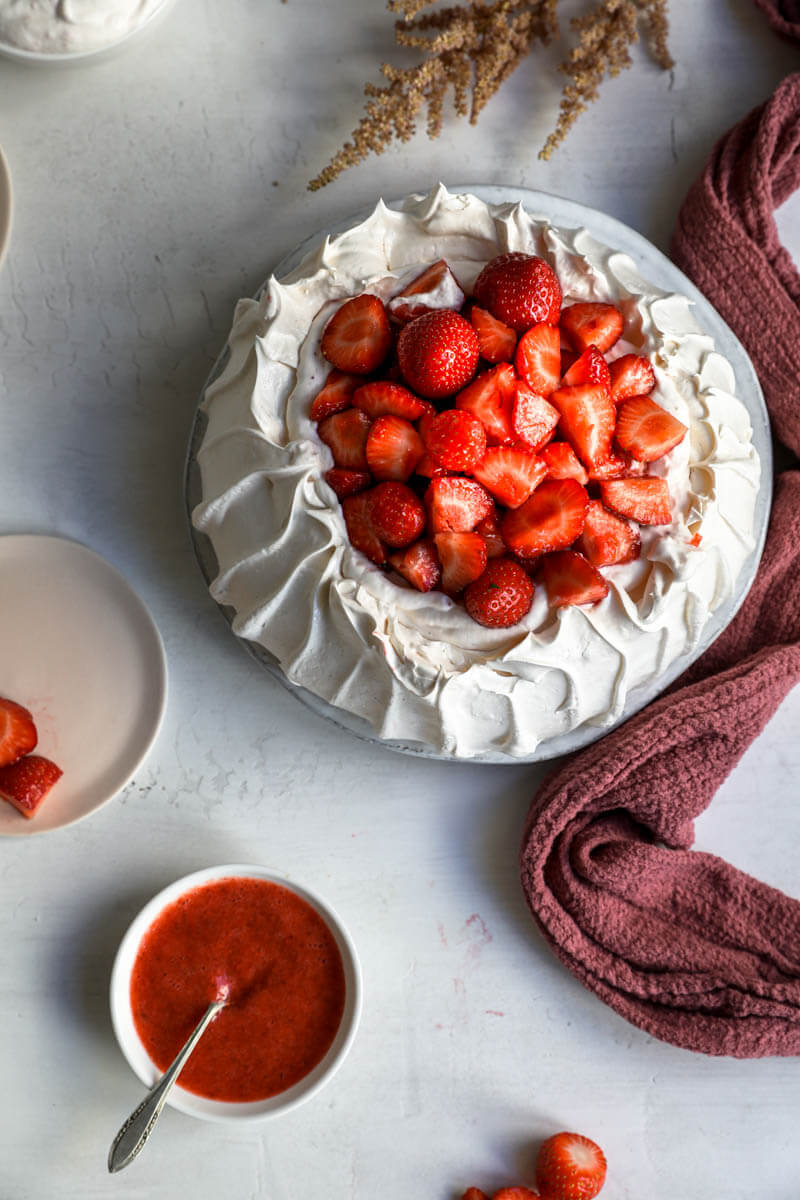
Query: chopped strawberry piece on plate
[[382, 398], [489, 529], [418, 564], [510, 473], [436, 287], [491, 398], [347, 483], [587, 324], [336, 394], [571, 579], [538, 358], [497, 341], [438, 353], [26, 782], [501, 596], [463, 558], [631, 375], [551, 519], [570, 1166], [587, 420], [456, 504], [608, 539], [646, 430], [533, 419], [562, 462], [358, 336], [357, 512], [345, 434], [520, 290], [393, 448], [397, 514], [589, 367], [455, 439], [17, 732], [645, 500]]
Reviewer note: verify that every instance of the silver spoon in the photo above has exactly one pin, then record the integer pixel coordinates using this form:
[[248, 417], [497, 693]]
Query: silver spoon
[[139, 1125]]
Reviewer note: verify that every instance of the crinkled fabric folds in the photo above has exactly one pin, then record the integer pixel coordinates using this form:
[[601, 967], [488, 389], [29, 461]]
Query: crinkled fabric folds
[[680, 943]]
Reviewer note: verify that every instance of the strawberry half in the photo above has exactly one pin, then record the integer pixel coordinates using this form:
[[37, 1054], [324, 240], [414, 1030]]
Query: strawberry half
[[17, 732], [463, 558], [533, 419], [345, 434], [501, 596], [551, 519], [491, 398], [347, 483], [336, 394], [538, 358], [608, 539], [646, 430], [571, 579], [587, 420], [358, 336], [589, 324], [26, 782], [562, 462], [570, 1167], [455, 440], [436, 287], [456, 504], [357, 512], [438, 353], [616, 466], [497, 341], [520, 290], [419, 565], [644, 500], [510, 473], [589, 367], [382, 399], [393, 448], [631, 375]]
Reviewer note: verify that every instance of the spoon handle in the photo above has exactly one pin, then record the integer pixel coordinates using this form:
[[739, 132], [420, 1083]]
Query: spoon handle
[[139, 1125]]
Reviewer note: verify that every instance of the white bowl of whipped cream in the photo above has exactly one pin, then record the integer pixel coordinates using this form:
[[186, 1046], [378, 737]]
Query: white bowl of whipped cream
[[58, 32]]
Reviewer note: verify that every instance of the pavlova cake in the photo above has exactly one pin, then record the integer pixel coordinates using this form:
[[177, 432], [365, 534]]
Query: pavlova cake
[[472, 479]]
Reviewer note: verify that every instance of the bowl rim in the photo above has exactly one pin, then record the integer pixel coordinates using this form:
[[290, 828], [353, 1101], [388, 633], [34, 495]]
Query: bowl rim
[[222, 1110]]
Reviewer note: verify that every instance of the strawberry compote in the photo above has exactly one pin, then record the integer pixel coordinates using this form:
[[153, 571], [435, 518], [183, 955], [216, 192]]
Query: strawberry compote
[[282, 970]]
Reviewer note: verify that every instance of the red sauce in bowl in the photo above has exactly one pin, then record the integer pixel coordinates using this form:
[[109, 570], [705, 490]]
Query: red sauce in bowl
[[286, 984]]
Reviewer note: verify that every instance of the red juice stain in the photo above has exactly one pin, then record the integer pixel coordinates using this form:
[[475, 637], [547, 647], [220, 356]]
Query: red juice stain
[[286, 980]]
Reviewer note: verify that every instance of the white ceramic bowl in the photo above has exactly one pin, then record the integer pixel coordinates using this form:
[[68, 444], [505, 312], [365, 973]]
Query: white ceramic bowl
[[76, 58], [218, 1110]]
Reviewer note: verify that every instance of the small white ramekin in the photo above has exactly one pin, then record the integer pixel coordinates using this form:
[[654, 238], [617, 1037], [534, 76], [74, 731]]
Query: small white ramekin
[[37, 58]]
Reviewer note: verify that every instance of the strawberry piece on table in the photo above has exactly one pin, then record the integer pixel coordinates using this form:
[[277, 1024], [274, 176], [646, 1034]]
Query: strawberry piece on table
[[631, 375], [551, 519], [474, 1193], [520, 290], [357, 512], [397, 514], [336, 394], [17, 732], [607, 539], [646, 430], [463, 559], [510, 473], [456, 504], [358, 336], [538, 358], [589, 367], [533, 419], [497, 341], [455, 440], [347, 483], [587, 420], [570, 1167], [562, 462], [436, 287], [588, 324], [393, 448], [382, 399], [438, 353], [345, 434], [645, 500], [571, 579], [419, 565], [489, 529], [515, 1193], [501, 596], [26, 782], [491, 398]]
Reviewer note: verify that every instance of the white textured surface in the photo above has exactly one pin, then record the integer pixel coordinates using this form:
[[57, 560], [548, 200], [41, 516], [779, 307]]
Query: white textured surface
[[144, 208]]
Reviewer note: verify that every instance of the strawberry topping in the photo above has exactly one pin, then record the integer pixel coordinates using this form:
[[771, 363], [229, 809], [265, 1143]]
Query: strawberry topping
[[589, 367], [491, 398], [562, 462], [646, 430], [520, 290], [510, 473], [608, 539], [589, 324], [463, 558], [380, 399], [587, 420], [347, 483], [358, 336], [345, 434], [497, 341], [436, 287], [419, 565], [538, 358], [551, 519], [456, 504], [631, 375], [336, 394], [455, 440], [644, 500], [501, 596], [533, 419], [357, 512], [438, 353], [397, 514], [393, 448], [571, 579]]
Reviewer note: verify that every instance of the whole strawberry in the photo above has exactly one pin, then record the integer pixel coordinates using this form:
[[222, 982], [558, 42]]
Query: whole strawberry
[[438, 353], [570, 1167], [520, 290]]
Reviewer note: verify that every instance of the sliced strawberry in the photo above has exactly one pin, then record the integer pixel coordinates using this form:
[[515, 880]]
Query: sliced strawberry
[[358, 519], [490, 398], [380, 399], [347, 483], [455, 439], [615, 466], [17, 732], [438, 353], [520, 290], [533, 419], [538, 358], [631, 375], [393, 448], [501, 596], [336, 394], [397, 514], [587, 420], [568, 357], [589, 367], [345, 433], [646, 430], [489, 529], [463, 558], [589, 324], [358, 336], [26, 782], [428, 467], [510, 473], [456, 504], [571, 579], [419, 564], [570, 1167], [497, 341], [551, 519], [562, 462], [436, 287], [517, 1192], [644, 500], [606, 538]]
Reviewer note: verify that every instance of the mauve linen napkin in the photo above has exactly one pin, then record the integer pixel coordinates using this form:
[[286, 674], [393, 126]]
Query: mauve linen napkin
[[681, 943]]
